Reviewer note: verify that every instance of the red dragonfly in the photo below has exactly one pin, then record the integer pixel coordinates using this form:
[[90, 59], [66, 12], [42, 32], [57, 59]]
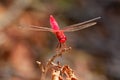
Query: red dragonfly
[[60, 32]]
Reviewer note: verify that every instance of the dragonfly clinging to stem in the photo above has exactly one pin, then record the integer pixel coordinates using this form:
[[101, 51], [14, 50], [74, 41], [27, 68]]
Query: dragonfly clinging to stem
[[60, 32]]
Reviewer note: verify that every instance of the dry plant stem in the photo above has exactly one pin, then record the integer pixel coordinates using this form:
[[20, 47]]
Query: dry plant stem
[[43, 74], [47, 66], [62, 48]]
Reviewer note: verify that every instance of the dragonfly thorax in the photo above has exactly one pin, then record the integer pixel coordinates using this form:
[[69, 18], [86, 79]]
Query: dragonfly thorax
[[61, 37]]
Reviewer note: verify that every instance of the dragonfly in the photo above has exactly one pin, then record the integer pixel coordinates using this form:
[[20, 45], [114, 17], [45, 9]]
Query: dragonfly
[[60, 32]]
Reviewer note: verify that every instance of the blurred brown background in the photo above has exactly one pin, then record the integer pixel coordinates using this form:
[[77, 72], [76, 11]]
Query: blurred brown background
[[95, 53]]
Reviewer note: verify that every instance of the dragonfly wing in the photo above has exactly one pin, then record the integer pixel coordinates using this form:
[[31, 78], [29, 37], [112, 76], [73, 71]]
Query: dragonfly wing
[[35, 28], [80, 26], [76, 28]]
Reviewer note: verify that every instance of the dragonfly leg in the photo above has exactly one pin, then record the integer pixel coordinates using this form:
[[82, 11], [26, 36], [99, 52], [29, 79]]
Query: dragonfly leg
[[58, 47], [62, 47], [65, 48]]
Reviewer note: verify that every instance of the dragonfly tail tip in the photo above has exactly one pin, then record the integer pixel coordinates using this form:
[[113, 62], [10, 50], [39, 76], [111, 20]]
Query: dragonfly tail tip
[[51, 16]]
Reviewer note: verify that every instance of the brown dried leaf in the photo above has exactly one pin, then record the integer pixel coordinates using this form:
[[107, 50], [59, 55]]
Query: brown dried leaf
[[69, 73], [56, 75]]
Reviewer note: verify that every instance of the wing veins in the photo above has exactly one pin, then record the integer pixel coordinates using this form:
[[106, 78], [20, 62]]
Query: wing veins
[[80, 26], [36, 28]]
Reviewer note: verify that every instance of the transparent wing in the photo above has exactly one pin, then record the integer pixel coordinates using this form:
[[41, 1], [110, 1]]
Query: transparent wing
[[80, 26], [35, 28], [76, 28]]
